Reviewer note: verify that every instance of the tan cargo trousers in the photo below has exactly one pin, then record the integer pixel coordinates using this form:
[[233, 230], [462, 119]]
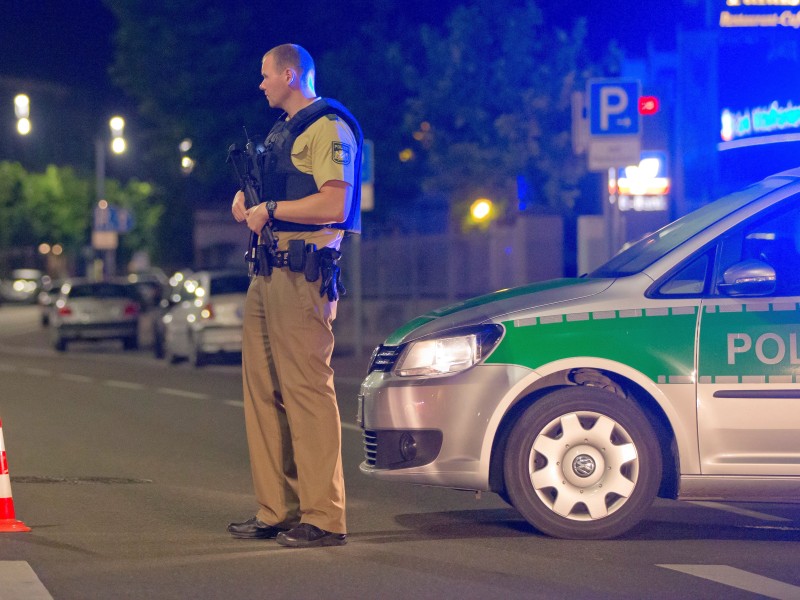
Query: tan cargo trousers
[[291, 414]]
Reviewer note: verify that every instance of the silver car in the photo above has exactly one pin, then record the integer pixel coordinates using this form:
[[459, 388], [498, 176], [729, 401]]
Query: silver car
[[672, 370], [207, 320], [95, 310], [23, 286]]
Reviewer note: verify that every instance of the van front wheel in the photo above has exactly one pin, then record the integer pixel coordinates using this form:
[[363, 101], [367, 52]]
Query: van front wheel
[[582, 463]]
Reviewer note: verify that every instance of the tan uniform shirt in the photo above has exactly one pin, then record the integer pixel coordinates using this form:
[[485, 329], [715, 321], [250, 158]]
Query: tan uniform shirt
[[326, 150]]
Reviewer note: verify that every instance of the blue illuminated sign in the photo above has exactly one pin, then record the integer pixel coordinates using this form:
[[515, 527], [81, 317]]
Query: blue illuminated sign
[[613, 107]]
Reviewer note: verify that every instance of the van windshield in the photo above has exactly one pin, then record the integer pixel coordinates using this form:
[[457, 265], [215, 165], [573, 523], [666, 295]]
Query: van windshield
[[650, 248]]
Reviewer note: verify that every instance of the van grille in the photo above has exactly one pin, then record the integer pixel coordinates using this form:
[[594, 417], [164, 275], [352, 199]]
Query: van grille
[[384, 358], [370, 447]]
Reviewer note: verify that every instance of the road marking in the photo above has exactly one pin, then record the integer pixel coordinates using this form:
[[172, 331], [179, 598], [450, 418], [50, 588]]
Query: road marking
[[183, 393], [77, 378], [743, 580], [351, 427], [36, 372], [7, 368], [740, 511], [349, 380], [19, 582], [128, 385], [236, 403]]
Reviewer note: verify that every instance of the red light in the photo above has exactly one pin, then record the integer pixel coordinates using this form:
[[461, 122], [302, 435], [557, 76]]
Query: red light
[[648, 105], [131, 309], [64, 311]]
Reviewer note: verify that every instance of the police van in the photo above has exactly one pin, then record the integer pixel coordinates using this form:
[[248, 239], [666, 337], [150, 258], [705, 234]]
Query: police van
[[671, 370]]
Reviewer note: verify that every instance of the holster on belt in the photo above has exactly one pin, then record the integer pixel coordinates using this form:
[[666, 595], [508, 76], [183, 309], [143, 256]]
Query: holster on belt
[[305, 258], [331, 274]]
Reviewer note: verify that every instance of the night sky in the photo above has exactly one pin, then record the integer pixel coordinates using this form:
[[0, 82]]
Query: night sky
[[70, 41]]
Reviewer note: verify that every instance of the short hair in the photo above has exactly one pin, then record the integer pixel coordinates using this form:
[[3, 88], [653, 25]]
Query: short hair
[[292, 56]]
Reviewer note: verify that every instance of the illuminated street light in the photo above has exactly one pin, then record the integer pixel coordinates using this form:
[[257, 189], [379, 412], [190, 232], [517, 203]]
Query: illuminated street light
[[187, 162], [23, 126], [22, 106], [118, 145], [187, 165], [406, 154], [22, 110], [117, 125], [104, 241], [480, 209]]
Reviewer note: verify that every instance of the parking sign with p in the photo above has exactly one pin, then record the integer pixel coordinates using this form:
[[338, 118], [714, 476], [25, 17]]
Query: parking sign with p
[[613, 106], [614, 123]]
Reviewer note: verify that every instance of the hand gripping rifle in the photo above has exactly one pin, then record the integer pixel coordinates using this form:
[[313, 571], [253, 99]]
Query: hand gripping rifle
[[246, 166]]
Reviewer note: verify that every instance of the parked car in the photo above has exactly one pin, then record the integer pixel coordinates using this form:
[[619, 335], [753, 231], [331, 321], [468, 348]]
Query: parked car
[[150, 293], [47, 299], [208, 318], [172, 296], [96, 310], [23, 286], [670, 370]]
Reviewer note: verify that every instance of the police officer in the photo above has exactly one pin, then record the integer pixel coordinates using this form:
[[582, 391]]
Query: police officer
[[311, 182]]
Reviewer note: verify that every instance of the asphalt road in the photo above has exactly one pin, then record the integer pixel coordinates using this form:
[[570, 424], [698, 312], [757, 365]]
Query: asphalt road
[[128, 469]]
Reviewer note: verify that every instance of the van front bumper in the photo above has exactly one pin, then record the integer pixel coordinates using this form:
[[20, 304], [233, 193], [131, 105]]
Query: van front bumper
[[436, 430]]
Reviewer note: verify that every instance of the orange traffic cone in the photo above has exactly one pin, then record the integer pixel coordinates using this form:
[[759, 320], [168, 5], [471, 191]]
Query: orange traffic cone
[[8, 521]]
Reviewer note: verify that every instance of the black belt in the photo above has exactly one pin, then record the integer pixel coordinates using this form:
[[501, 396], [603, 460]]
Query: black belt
[[278, 225]]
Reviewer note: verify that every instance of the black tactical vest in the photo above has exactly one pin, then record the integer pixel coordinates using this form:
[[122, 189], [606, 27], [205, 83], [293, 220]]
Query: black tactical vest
[[281, 180]]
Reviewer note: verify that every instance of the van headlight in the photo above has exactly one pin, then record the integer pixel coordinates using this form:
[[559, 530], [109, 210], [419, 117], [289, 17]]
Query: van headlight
[[448, 353]]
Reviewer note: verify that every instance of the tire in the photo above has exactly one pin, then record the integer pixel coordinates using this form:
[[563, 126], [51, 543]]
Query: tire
[[196, 357], [60, 344], [158, 345], [130, 343], [171, 357], [582, 463]]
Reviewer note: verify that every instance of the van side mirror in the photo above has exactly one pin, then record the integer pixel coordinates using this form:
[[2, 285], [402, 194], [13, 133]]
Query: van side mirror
[[748, 278]]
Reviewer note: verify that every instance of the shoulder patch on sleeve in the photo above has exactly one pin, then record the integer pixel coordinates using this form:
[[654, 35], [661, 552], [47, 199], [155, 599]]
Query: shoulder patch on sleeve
[[341, 153]]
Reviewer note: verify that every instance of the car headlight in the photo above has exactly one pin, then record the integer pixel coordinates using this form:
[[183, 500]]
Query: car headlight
[[448, 354]]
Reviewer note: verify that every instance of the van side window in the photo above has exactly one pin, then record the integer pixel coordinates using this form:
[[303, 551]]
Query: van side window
[[774, 241], [689, 281]]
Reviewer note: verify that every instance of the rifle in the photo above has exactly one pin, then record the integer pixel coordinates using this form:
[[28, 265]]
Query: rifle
[[246, 166]]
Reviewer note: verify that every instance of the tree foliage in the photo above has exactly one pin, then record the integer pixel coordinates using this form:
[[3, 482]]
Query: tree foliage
[[491, 105], [480, 106], [369, 74], [193, 74], [456, 111], [56, 207]]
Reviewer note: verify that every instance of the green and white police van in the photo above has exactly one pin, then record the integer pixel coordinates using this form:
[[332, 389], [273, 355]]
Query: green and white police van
[[671, 370]]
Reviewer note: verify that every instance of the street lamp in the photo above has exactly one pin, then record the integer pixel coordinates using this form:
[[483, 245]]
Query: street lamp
[[480, 209], [118, 145], [117, 125], [107, 240], [187, 162], [22, 109]]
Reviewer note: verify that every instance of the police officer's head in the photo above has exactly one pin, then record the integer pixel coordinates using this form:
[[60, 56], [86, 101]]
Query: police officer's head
[[287, 71]]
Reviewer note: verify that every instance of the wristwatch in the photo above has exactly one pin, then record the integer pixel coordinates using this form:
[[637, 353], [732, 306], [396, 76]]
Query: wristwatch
[[271, 206]]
